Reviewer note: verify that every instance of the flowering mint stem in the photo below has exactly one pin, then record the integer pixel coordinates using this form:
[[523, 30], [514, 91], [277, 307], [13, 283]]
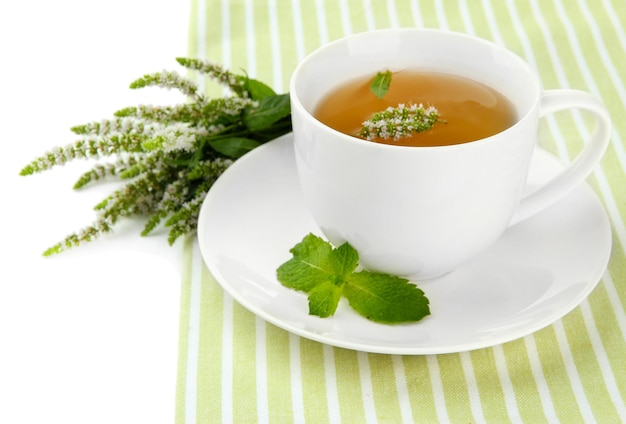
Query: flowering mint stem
[[101, 171], [168, 80], [398, 122], [169, 156], [235, 82], [84, 149]]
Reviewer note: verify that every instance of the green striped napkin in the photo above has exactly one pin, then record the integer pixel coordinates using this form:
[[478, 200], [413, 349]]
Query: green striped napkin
[[235, 367]]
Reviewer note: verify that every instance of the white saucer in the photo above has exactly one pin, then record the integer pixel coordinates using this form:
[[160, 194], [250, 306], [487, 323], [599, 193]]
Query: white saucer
[[536, 273]]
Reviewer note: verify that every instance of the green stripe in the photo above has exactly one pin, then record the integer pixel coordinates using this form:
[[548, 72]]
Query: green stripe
[[405, 14], [349, 386], [183, 331], [523, 382], [209, 373], [313, 381], [480, 22], [588, 368], [608, 32], [358, 20], [455, 388], [549, 73], [308, 23], [559, 385], [192, 38], [334, 20], [263, 56], [426, 11], [384, 388], [510, 37], [539, 47], [420, 390], [213, 33], [491, 394], [239, 45], [453, 16], [278, 375], [381, 17], [577, 24], [617, 268], [244, 365], [605, 320]]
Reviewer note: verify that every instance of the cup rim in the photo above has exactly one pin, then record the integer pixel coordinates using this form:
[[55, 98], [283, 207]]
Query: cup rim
[[295, 100]]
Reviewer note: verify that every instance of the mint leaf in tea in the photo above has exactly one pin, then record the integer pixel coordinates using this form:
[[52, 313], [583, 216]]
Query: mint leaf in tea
[[380, 84], [471, 110]]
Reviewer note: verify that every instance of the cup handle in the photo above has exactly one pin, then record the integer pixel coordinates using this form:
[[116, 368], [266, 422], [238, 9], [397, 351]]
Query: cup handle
[[554, 101]]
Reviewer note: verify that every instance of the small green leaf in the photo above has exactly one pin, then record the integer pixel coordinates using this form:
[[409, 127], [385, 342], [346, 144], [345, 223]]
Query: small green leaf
[[385, 298], [269, 111], [258, 90], [345, 260], [323, 299], [380, 84], [310, 266], [233, 147]]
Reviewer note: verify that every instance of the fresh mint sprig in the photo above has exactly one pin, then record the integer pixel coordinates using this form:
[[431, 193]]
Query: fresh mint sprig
[[327, 273], [169, 156]]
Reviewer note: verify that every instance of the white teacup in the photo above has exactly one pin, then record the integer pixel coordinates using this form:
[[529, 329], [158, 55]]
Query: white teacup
[[424, 211]]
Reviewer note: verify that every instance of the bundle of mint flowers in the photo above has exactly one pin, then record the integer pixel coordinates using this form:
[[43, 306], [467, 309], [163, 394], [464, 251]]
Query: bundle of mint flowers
[[169, 156]]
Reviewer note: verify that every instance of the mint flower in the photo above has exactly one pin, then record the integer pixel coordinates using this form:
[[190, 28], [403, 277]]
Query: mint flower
[[85, 148], [169, 156], [398, 122], [112, 126], [101, 226], [188, 112], [236, 83], [178, 136], [169, 80], [102, 171]]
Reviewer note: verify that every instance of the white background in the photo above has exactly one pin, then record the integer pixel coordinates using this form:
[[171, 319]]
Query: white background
[[89, 336]]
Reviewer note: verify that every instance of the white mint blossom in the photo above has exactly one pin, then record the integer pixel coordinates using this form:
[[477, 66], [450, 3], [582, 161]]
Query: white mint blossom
[[177, 136], [398, 122]]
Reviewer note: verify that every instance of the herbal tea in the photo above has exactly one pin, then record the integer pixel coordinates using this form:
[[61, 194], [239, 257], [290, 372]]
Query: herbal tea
[[468, 110]]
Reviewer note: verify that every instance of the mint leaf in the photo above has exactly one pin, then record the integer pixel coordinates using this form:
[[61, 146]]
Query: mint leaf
[[310, 266], [323, 299], [385, 298], [344, 260], [380, 84], [258, 90], [233, 147], [269, 111], [327, 273]]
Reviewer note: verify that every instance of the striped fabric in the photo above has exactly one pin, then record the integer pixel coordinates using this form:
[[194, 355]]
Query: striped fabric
[[234, 367]]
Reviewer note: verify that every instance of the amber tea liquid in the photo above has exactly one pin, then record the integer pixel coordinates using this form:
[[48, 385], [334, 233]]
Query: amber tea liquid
[[471, 110]]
